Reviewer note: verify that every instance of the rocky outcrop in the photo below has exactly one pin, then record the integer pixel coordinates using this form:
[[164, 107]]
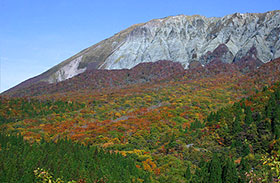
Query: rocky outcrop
[[67, 71], [183, 38]]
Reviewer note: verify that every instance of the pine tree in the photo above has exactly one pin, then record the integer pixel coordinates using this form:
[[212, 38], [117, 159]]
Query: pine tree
[[229, 172], [201, 174], [276, 121], [273, 112], [248, 116], [186, 129], [204, 173], [258, 118], [243, 168], [268, 110], [277, 132], [242, 102], [246, 149], [210, 119], [277, 94], [271, 106], [236, 125], [188, 174], [215, 170], [238, 108]]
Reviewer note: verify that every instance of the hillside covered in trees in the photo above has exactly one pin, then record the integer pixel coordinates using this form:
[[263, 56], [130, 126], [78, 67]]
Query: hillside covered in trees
[[216, 123]]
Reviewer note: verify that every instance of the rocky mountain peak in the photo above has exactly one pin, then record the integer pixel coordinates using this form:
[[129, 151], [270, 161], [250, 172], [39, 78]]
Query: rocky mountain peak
[[184, 39], [180, 37]]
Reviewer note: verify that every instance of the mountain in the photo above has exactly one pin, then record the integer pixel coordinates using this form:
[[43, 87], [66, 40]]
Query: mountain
[[199, 104], [97, 79], [185, 39], [166, 121], [159, 72]]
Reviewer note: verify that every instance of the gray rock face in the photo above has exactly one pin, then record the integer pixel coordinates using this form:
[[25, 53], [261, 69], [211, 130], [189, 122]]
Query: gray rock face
[[181, 38]]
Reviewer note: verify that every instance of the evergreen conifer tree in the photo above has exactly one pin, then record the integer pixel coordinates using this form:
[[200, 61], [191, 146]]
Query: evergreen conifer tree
[[238, 109], [248, 117], [246, 149], [229, 172], [268, 110], [215, 170], [188, 174], [258, 118], [276, 121], [236, 125], [201, 174], [243, 168]]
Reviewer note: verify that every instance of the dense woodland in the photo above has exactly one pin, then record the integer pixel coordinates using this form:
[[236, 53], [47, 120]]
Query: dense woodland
[[65, 159], [211, 124]]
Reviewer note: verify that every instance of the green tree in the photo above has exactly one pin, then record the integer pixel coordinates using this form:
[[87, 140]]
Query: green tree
[[188, 174], [248, 116], [201, 173], [215, 170], [236, 125], [243, 168], [229, 172]]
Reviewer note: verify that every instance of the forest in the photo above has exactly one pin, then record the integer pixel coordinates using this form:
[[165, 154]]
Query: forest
[[200, 126]]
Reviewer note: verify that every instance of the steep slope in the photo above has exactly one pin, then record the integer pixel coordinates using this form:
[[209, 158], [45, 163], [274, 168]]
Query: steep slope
[[184, 38], [90, 58], [98, 79], [159, 125], [267, 73], [247, 71], [181, 38]]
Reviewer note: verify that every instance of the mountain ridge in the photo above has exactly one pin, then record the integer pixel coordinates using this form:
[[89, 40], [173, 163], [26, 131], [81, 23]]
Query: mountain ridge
[[180, 38], [163, 71]]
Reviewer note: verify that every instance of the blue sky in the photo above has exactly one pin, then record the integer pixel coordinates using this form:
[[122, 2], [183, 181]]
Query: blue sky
[[35, 35]]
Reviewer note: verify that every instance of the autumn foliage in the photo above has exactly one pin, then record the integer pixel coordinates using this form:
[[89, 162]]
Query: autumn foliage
[[161, 117]]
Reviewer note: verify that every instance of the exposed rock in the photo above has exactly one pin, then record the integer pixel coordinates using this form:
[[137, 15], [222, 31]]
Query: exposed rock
[[67, 71], [97, 79], [178, 38]]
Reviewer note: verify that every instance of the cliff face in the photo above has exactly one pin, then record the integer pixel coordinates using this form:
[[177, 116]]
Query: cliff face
[[184, 39]]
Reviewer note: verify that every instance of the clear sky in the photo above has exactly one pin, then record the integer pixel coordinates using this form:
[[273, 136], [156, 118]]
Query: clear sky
[[35, 35]]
